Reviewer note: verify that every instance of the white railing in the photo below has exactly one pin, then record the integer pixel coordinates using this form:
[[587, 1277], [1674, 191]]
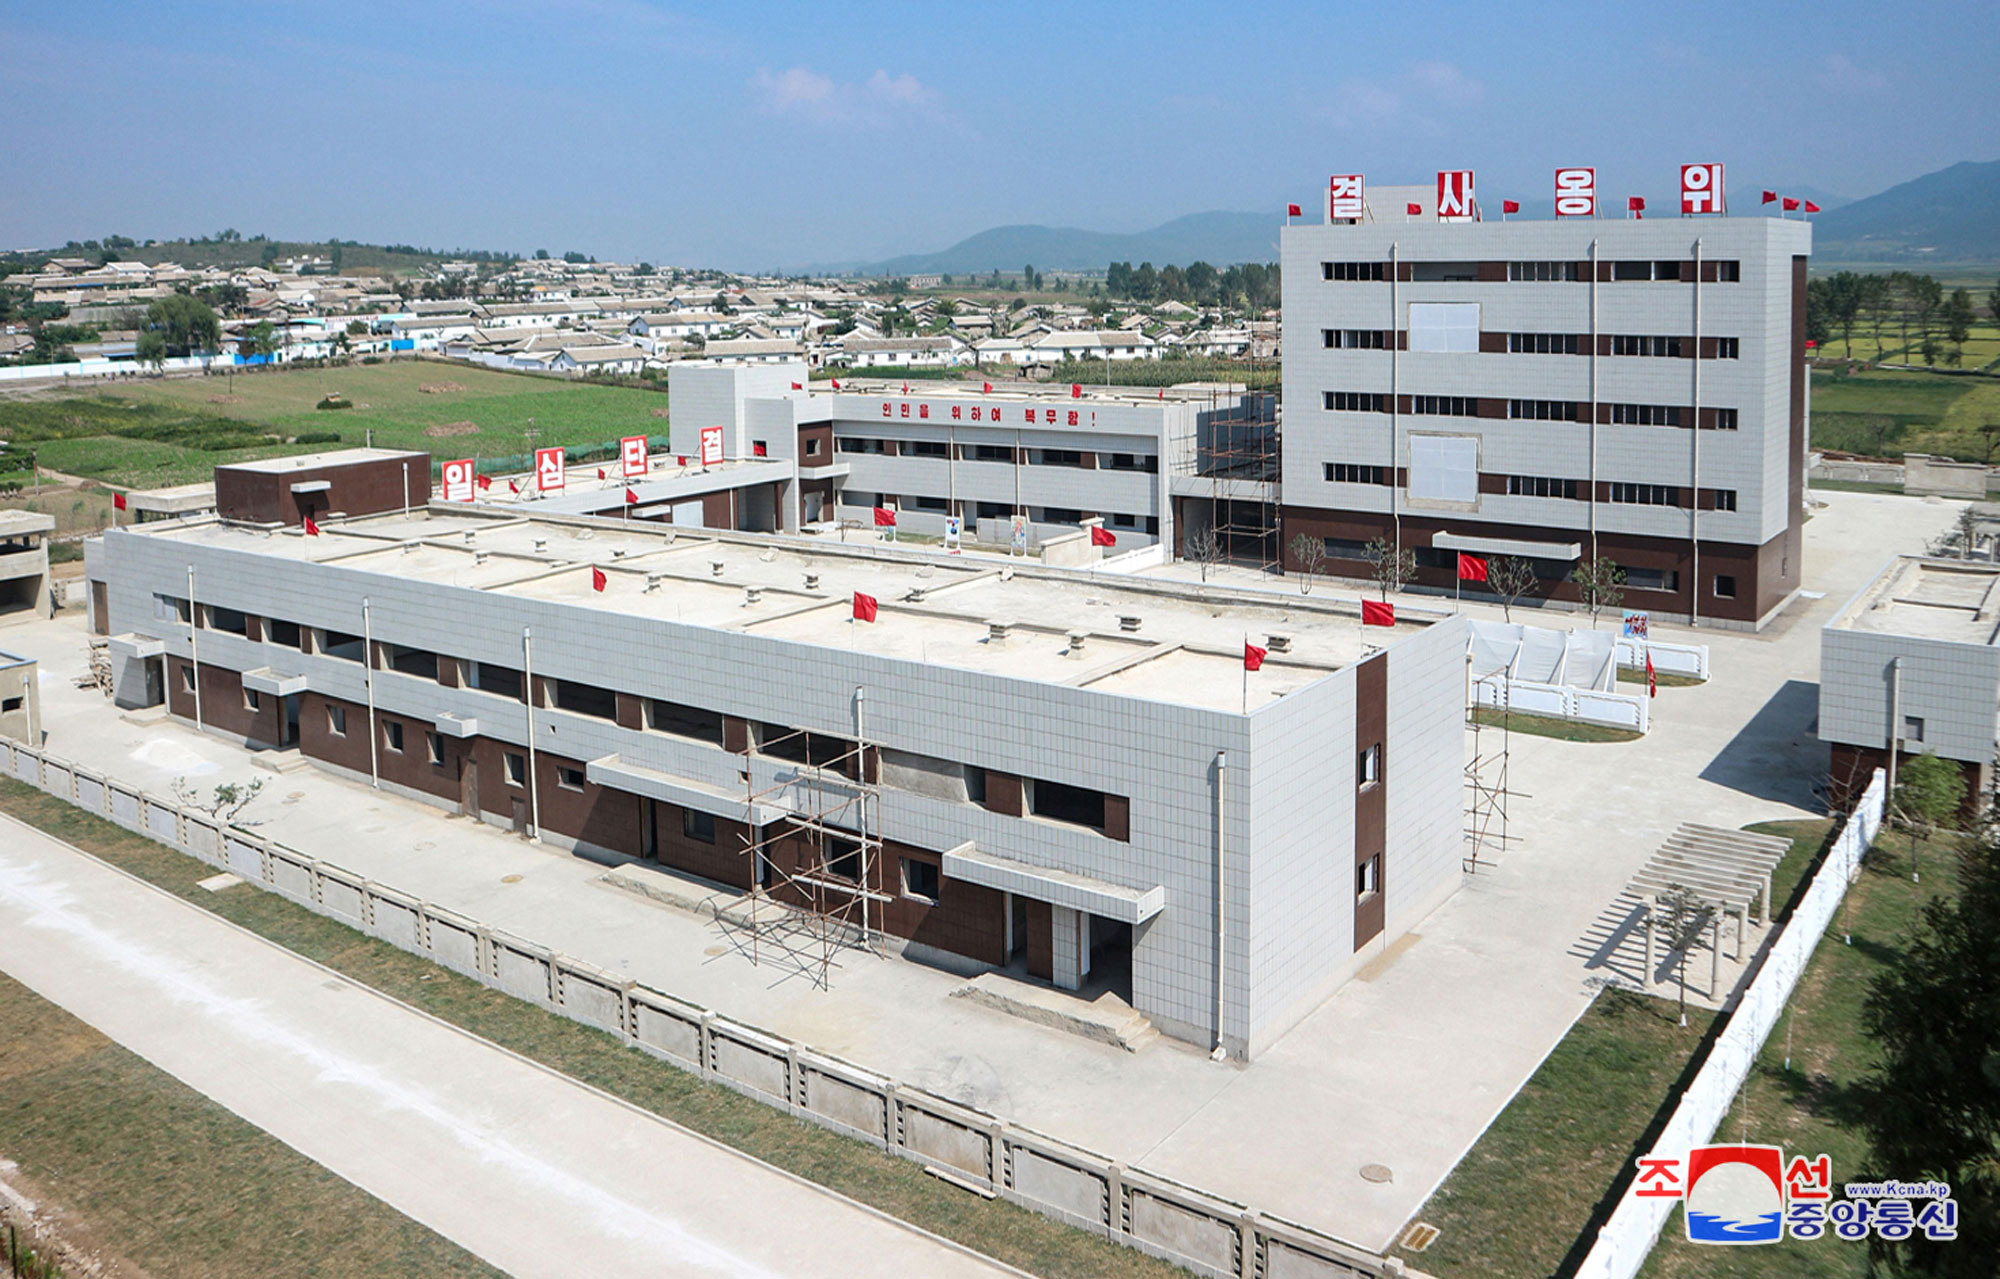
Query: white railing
[[1625, 1240], [1559, 701], [1668, 659]]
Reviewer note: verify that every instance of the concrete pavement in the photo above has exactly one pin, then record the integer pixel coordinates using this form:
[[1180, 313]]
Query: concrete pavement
[[1404, 1066], [531, 1171]]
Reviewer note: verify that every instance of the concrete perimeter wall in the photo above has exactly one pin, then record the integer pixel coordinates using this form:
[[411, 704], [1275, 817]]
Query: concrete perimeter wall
[[1206, 1234]]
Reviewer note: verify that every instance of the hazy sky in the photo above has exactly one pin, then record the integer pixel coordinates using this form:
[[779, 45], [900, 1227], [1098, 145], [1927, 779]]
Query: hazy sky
[[749, 134]]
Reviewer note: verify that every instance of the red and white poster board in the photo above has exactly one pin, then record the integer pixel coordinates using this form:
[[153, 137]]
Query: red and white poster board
[[549, 469], [632, 455], [711, 446], [1344, 196], [1455, 195], [458, 485], [1701, 188], [1576, 193]]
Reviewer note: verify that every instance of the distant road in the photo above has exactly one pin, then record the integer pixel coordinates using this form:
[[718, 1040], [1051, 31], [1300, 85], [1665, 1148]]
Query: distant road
[[531, 1171]]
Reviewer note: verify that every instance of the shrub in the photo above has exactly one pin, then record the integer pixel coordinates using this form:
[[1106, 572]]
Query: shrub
[[371, 359], [317, 437], [334, 400]]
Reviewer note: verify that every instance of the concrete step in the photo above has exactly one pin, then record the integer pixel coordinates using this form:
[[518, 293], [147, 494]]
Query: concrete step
[[280, 761], [1106, 1019], [145, 716], [683, 892]]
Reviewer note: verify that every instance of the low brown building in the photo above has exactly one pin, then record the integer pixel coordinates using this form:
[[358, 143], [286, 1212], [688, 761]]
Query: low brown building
[[285, 490]]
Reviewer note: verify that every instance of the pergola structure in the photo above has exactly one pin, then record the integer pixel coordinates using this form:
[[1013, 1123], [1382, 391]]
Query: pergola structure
[[1727, 870]]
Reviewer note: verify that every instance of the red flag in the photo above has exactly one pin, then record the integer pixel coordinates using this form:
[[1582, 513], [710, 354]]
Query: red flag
[[906, 388], [1292, 211], [884, 517], [986, 388], [1635, 204], [757, 449], [1652, 680], [1770, 197], [118, 501], [1102, 536], [1413, 209], [1076, 390], [312, 529], [513, 486], [600, 472], [597, 578], [836, 384], [1471, 568], [864, 607], [1253, 657], [631, 498], [680, 459], [1790, 205], [1377, 613], [1811, 207], [1510, 206], [797, 387], [1163, 392], [485, 482]]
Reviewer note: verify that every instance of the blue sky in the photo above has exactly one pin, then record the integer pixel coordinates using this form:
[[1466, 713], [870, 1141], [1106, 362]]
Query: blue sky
[[752, 134]]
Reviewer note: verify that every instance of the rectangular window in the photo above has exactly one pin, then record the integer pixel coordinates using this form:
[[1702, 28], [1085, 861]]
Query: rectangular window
[[1356, 473], [251, 702], [991, 510], [420, 662], [1059, 515], [927, 504], [698, 826], [1631, 270], [1913, 728], [1368, 768], [434, 747], [1356, 401], [1127, 461], [684, 721], [341, 645], [586, 699], [281, 632], [920, 879], [1544, 410], [992, 453], [1544, 344], [924, 448], [500, 680], [168, 608], [1444, 405], [569, 778], [849, 444], [1728, 348], [1443, 272], [812, 446], [1354, 339], [843, 858], [1725, 419], [1541, 271], [1728, 272], [517, 769], [336, 720], [226, 619], [1652, 579], [1646, 414], [818, 750], [1629, 344], [392, 736], [1061, 802], [1056, 457], [1725, 499], [1668, 271], [1354, 270], [1541, 486], [1346, 548], [1725, 586], [1368, 878], [1645, 494], [187, 679]]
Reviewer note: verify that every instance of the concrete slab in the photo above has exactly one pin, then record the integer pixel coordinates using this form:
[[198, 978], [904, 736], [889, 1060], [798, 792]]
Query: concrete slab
[[1404, 1067]]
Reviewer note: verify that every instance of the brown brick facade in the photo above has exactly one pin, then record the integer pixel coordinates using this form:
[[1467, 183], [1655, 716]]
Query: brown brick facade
[[363, 487], [223, 705]]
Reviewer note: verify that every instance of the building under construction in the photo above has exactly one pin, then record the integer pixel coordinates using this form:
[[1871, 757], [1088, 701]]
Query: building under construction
[[1073, 777]]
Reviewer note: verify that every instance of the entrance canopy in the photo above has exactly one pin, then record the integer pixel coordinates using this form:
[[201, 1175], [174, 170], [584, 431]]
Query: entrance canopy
[[1057, 887], [1507, 546]]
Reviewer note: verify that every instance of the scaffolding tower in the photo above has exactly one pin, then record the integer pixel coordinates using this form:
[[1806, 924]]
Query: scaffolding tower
[[1486, 788], [1238, 452], [816, 883]]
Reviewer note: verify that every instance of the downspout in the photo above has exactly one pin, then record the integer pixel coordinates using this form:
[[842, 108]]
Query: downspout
[[861, 771], [194, 654], [1593, 399], [1895, 734], [1694, 464], [1395, 367], [1218, 1053], [368, 682], [528, 687]]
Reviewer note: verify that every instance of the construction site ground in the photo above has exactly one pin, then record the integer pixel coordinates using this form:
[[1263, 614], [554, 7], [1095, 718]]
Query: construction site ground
[[1403, 1067]]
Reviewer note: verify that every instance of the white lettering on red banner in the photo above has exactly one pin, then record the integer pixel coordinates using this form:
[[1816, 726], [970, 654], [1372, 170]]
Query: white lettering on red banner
[[1576, 193], [1344, 197], [1701, 188], [711, 445], [548, 469], [632, 455], [1455, 195], [458, 480]]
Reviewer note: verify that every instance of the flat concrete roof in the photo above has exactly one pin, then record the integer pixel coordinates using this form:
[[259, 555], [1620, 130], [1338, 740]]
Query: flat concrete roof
[[18, 523], [1956, 600], [178, 499], [1129, 636], [308, 461], [1019, 391]]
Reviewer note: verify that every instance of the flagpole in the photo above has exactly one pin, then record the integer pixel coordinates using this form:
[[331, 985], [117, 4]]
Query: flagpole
[[1246, 673]]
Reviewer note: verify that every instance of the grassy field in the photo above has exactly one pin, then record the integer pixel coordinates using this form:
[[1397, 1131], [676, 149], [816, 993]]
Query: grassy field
[[1981, 350], [1565, 730], [896, 1186], [1886, 414], [175, 1183], [176, 430]]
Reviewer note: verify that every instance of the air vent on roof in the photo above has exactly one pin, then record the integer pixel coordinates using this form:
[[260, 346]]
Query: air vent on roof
[[715, 567], [653, 581], [812, 581], [752, 594], [468, 536], [480, 557], [1128, 622], [618, 553], [541, 544], [997, 632], [916, 594], [1076, 639], [1279, 643]]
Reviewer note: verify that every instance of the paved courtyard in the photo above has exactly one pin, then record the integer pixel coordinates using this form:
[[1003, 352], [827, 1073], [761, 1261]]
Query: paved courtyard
[[1404, 1066]]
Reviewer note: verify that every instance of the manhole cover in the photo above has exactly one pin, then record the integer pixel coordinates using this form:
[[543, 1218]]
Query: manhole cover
[[1420, 1235], [510, 879], [1376, 1173]]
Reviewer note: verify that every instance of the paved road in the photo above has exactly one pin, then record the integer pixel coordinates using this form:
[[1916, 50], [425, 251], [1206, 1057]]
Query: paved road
[[531, 1171]]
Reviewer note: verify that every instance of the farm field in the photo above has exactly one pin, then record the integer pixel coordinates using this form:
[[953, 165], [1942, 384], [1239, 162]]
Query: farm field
[[1982, 348], [175, 431], [1886, 413]]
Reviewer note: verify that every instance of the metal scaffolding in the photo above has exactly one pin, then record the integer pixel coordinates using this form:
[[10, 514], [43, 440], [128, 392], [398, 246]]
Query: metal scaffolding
[[1238, 454], [1486, 788], [816, 871]]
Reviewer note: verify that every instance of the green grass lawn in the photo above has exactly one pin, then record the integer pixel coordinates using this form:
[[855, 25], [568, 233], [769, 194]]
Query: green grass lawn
[[1982, 347], [1549, 726], [176, 1184], [1887, 413], [1665, 679], [896, 1186], [176, 430]]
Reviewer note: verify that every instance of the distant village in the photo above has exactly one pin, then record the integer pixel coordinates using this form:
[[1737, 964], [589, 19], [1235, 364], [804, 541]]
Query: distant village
[[583, 319]]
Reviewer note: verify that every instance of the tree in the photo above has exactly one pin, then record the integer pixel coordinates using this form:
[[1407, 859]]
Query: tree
[[1511, 577], [152, 349], [1204, 547], [187, 324], [1844, 291], [1958, 318], [229, 799], [1600, 585], [1877, 299], [1993, 303], [1389, 568], [1931, 1108], [1929, 793], [1309, 553], [262, 340], [1683, 917]]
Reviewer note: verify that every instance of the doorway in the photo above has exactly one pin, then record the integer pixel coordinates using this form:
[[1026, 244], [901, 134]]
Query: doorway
[[156, 680], [468, 787], [289, 734], [649, 830], [520, 814]]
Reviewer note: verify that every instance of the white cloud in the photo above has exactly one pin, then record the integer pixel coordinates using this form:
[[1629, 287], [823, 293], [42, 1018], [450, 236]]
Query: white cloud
[[1838, 73], [808, 95], [1413, 100]]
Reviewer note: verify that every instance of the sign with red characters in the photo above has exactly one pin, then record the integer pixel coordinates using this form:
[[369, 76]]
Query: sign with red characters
[[1344, 196], [1701, 189], [1454, 203], [1576, 193]]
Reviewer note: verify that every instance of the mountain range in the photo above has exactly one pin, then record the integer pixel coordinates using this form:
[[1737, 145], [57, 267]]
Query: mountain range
[[1947, 216]]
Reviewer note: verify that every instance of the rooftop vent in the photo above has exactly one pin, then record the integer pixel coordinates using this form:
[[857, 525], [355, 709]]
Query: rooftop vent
[[916, 594], [480, 557], [997, 632], [617, 552], [715, 567], [752, 594], [1076, 640], [812, 581], [1128, 622], [653, 581], [541, 544], [468, 536], [1279, 643]]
